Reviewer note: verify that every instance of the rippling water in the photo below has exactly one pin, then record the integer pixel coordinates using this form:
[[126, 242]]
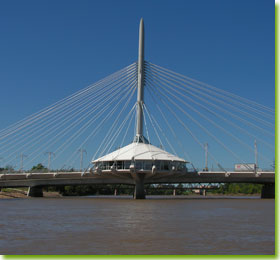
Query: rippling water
[[121, 225]]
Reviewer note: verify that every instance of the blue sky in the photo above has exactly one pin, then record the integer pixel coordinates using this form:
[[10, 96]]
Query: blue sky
[[50, 49]]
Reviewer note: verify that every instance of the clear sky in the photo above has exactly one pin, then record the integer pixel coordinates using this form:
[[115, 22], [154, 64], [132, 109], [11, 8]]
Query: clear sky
[[50, 49]]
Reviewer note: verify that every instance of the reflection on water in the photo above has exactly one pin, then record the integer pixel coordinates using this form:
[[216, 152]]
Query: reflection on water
[[120, 225]]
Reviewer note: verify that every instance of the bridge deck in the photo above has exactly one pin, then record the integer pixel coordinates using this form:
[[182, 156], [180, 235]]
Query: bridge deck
[[78, 178]]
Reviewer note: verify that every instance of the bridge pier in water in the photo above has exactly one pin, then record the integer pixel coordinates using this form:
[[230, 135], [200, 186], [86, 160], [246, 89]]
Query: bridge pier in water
[[139, 191], [35, 191], [203, 192], [268, 191]]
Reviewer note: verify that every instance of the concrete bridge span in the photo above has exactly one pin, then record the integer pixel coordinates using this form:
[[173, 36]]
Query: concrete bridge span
[[35, 181]]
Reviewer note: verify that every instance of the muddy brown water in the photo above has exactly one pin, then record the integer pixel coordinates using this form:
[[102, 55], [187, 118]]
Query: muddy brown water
[[121, 225]]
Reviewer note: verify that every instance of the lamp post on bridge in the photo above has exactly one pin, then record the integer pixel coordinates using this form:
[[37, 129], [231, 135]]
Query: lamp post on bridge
[[206, 157], [1, 160], [22, 156], [256, 154], [82, 151], [49, 159]]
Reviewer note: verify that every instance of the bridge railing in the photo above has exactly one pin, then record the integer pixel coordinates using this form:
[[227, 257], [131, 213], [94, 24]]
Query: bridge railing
[[233, 170], [7, 171], [11, 171]]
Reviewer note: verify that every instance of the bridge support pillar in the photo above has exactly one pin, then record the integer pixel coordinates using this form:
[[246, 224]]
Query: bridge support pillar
[[203, 192], [139, 191], [268, 191], [35, 191]]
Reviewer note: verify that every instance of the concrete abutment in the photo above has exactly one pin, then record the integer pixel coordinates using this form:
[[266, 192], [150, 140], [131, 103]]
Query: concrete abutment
[[35, 191]]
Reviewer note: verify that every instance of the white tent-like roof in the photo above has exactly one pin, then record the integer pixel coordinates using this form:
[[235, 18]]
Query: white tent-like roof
[[139, 151]]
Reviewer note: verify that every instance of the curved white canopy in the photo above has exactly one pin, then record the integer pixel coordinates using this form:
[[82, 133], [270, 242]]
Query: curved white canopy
[[139, 151]]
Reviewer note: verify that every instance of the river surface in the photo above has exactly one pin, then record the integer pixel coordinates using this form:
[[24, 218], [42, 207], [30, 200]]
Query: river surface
[[121, 225]]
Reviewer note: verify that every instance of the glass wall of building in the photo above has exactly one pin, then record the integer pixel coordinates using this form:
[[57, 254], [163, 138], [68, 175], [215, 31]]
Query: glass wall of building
[[141, 165]]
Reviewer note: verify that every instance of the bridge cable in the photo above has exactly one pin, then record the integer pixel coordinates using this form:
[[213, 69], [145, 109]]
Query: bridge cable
[[146, 126], [77, 121], [183, 124], [233, 115], [208, 119], [217, 115], [90, 136], [74, 136], [155, 126], [113, 136], [107, 116], [219, 101], [121, 128], [38, 115], [66, 119], [203, 128], [196, 88], [213, 88], [171, 129]]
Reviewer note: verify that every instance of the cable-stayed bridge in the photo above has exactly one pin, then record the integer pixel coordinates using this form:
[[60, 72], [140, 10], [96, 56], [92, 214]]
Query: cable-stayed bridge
[[143, 124]]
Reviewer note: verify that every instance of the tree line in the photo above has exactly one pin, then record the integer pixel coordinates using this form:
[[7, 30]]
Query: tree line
[[124, 189]]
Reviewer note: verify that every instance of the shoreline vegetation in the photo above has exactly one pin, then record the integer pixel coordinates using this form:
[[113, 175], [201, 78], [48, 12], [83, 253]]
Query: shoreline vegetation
[[224, 190]]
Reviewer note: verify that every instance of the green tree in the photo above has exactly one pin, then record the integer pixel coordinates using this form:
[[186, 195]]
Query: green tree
[[242, 188], [39, 168]]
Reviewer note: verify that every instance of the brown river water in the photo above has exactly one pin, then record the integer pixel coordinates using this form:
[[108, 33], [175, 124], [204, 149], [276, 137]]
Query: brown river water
[[121, 225]]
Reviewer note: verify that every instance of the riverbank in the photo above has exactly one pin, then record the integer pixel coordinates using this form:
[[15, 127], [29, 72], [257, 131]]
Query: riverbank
[[22, 194]]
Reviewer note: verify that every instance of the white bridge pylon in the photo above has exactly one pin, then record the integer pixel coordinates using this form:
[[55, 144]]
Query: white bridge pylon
[[139, 159], [116, 123]]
